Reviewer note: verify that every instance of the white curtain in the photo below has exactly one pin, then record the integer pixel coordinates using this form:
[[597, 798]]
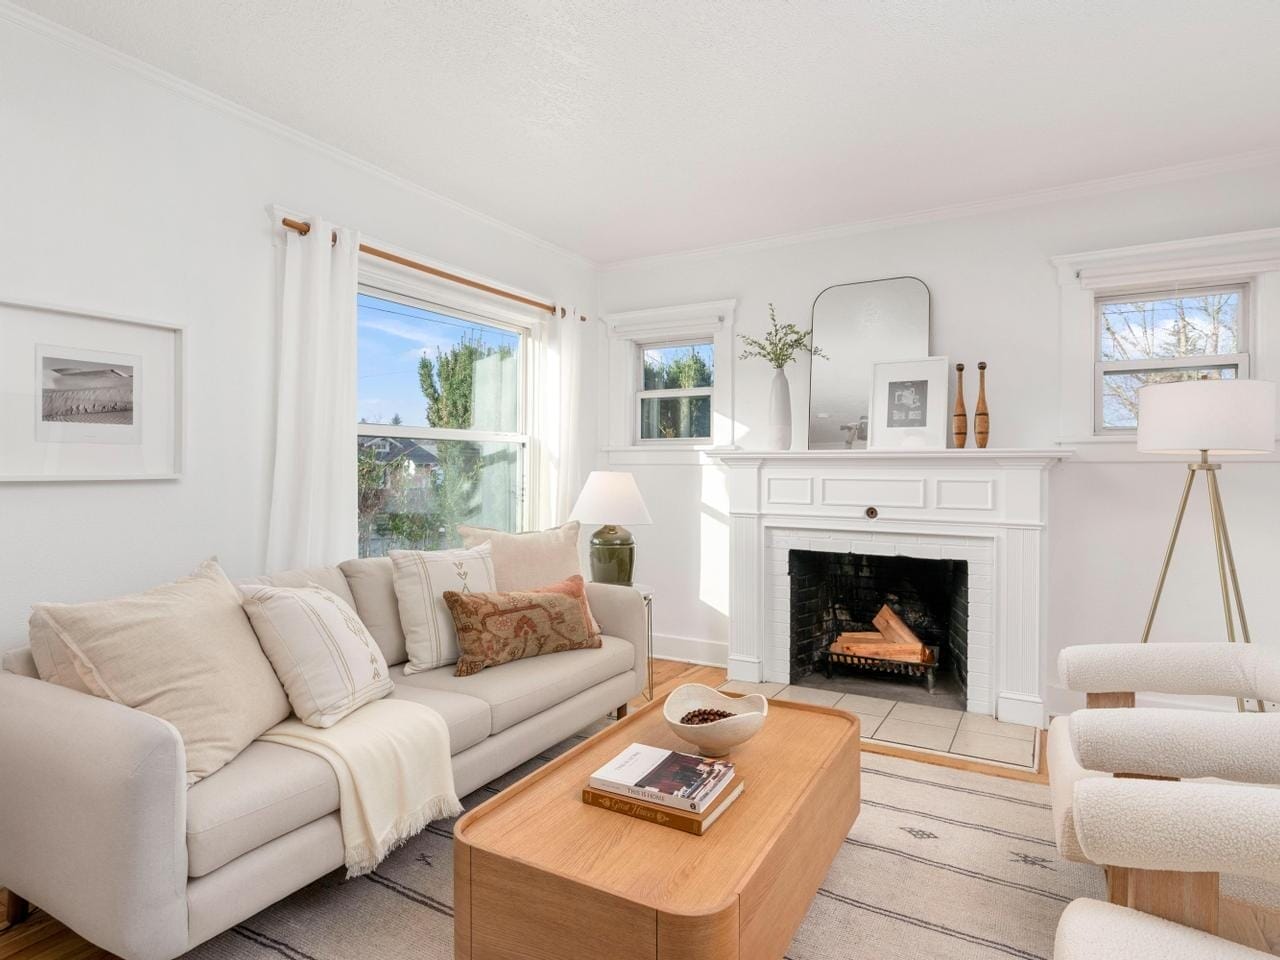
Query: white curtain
[[313, 482], [557, 420]]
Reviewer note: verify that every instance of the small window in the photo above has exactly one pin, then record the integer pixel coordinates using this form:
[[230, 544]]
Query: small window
[[1161, 337], [441, 437], [674, 400]]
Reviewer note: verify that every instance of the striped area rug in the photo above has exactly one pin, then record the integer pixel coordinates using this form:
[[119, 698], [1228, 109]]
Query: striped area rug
[[940, 864]]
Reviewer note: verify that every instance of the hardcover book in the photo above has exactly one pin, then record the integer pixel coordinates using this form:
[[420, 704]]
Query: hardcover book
[[695, 823], [656, 775]]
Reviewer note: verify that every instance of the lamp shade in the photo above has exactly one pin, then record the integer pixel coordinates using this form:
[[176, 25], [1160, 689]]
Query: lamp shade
[[1221, 416], [609, 497]]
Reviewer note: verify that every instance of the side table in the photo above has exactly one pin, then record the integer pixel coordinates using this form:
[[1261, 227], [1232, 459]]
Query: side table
[[646, 594]]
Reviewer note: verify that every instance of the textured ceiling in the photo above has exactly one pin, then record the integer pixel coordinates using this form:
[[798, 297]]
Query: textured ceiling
[[624, 129]]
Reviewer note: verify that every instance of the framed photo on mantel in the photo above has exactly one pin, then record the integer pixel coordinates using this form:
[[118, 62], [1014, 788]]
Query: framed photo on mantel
[[87, 396], [909, 404]]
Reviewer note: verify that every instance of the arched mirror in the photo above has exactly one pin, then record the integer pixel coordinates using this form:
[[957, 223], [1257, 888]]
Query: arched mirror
[[856, 325]]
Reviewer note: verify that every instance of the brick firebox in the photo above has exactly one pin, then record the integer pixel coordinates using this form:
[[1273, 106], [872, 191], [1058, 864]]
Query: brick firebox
[[832, 593]]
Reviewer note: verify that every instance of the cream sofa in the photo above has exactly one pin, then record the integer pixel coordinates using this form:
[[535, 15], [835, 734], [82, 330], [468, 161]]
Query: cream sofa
[[98, 828]]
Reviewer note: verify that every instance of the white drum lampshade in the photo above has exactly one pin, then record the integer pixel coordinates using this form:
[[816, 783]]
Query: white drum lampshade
[[1221, 416]]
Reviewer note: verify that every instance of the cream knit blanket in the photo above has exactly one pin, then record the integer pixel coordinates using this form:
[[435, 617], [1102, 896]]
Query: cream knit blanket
[[391, 758]]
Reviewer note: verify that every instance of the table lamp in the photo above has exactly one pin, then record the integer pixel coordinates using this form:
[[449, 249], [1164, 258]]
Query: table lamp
[[611, 499], [1207, 417]]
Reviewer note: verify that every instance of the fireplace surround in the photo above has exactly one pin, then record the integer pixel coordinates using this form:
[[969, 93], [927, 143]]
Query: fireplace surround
[[988, 508]]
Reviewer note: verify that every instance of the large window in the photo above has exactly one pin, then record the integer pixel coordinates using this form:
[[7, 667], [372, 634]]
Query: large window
[[674, 400], [442, 437], [1164, 336]]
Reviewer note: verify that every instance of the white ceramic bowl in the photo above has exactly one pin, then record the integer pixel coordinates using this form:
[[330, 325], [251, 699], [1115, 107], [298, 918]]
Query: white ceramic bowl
[[714, 739]]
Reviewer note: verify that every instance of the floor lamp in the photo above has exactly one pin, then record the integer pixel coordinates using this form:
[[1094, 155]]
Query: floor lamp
[[1208, 418]]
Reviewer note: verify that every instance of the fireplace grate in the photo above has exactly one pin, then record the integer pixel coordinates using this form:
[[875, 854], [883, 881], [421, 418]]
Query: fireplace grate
[[883, 665]]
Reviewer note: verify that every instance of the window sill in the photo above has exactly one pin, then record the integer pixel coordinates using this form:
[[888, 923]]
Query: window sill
[[1125, 450], [669, 453]]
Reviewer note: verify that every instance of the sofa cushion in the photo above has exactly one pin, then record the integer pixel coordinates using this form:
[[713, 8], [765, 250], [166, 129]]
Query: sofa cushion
[[331, 578], [372, 584], [421, 579], [184, 652], [265, 792], [322, 653], [468, 718], [533, 559], [518, 690], [496, 628], [1064, 773], [20, 661]]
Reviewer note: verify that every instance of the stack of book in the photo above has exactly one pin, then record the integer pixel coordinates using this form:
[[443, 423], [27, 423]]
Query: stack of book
[[661, 786]]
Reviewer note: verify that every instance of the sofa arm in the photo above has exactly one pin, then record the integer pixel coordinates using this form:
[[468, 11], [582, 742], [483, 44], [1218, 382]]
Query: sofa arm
[[1187, 744], [620, 612], [1192, 827], [93, 805], [1192, 669]]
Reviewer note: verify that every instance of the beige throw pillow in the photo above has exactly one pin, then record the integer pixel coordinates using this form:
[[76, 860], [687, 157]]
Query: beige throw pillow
[[522, 561], [328, 662], [55, 661], [184, 652], [527, 561], [420, 579]]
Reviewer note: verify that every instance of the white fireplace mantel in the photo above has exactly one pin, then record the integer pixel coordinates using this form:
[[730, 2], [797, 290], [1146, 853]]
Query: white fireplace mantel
[[988, 507]]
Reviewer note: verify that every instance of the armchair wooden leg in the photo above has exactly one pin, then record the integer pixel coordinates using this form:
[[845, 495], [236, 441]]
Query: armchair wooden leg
[[16, 909], [1095, 701], [622, 712], [1187, 898], [1117, 885]]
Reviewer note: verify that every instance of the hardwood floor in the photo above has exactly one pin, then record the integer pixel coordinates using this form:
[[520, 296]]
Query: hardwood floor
[[43, 938]]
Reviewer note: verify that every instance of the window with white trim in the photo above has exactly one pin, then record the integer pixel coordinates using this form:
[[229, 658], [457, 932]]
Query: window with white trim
[[676, 379], [442, 437], [1164, 335]]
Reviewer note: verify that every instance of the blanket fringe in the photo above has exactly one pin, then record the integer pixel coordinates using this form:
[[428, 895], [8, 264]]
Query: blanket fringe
[[364, 858]]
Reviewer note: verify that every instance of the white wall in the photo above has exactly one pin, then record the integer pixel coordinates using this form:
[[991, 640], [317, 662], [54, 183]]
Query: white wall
[[995, 298], [121, 194]]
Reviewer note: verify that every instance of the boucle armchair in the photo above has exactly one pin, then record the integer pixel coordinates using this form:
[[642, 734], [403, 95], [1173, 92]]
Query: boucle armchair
[[1164, 844]]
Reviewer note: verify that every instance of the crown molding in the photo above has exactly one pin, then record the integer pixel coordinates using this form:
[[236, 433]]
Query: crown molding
[[185, 88], [956, 211]]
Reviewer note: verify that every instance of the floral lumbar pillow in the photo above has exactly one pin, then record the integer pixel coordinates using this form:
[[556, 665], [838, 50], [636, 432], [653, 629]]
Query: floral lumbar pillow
[[324, 656], [496, 628], [421, 578]]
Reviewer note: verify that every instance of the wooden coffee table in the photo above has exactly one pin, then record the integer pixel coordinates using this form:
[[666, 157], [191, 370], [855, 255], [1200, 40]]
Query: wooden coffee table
[[539, 875]]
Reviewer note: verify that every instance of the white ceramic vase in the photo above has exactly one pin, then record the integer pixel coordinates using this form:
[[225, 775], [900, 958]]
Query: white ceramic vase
[[780, 412]]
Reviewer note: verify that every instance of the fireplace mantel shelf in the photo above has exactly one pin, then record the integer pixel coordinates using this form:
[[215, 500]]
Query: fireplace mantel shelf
[[932, 457]]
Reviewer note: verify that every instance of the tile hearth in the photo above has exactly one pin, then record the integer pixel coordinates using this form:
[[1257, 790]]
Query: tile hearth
[[957, 733]]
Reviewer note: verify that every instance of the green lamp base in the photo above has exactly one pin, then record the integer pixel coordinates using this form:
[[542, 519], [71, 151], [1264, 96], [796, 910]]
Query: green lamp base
[[613, 555]]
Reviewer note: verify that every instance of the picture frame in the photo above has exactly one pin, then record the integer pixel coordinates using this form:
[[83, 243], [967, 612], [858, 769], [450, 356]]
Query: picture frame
[[908, 408], [87, 396]]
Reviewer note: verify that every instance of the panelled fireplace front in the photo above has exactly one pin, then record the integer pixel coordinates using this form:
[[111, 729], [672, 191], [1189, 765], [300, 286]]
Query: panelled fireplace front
[[952, 541]]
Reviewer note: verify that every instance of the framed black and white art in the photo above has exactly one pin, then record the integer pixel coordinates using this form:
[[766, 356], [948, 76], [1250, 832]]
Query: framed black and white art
[[909, 404], [86, 396]]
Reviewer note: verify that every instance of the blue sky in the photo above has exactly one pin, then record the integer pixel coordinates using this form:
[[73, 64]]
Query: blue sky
[[391, 337]]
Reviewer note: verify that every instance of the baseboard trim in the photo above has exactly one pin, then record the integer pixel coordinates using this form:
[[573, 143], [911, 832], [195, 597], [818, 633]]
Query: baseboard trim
[[706, 653], [1020, 708]]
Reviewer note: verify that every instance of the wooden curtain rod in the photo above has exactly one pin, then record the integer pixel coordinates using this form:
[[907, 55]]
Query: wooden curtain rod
[[304, 228]]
